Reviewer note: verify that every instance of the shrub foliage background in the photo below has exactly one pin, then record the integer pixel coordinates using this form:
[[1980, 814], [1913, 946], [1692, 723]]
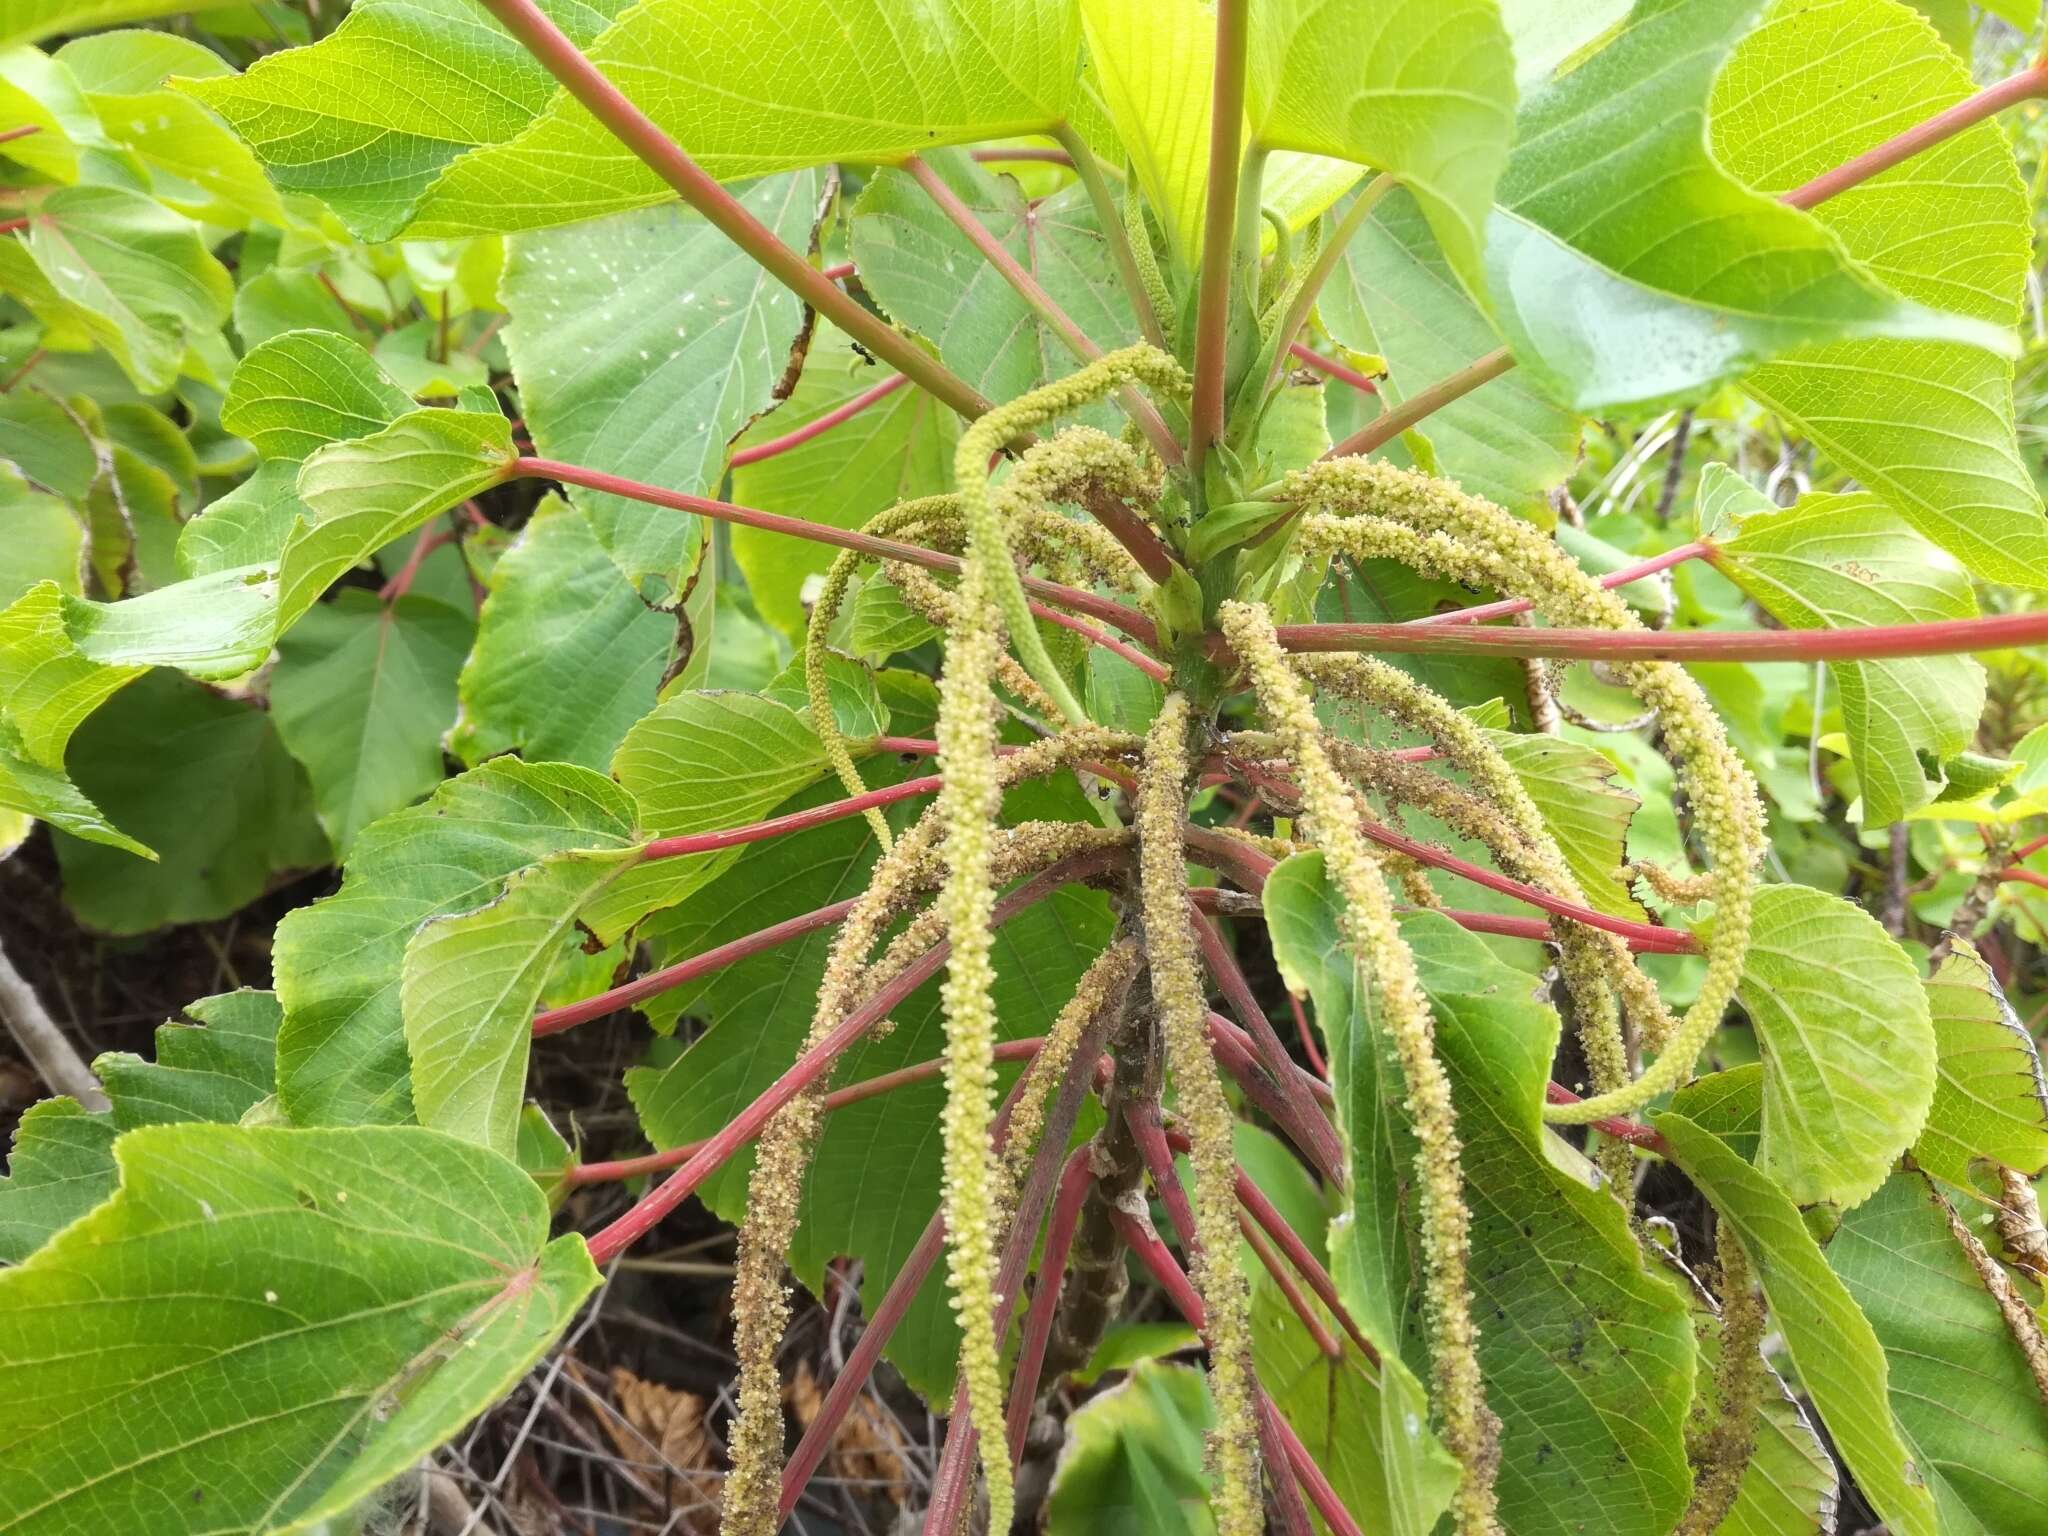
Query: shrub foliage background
[[921, 549]]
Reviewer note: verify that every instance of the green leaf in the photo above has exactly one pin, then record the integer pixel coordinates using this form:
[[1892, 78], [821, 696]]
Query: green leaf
[[29, 20], [360, 495], [1832, 1346], [750, 89], [296, 392], [1349, 1413], [196, 166], [368, 118], [1965, 1403], [60, 1167], [471, 983], [929, 277], [204, 781], [899, 448], [1844, 562], [361, 1294], [1990, 1100], [1394, 296], [138, 277], [700, 762], [216, 1069], [341, 1053], [567, 657], [643, 346], [36, 91], [1586, 1443], [215, 627], [362, 693], [1926, 424], [47, 443], [1422, 89], [47, 688], [1848, 1051], [1574, 789], [30, 788], [44, 539], [1599, 297], [1133, 1458]]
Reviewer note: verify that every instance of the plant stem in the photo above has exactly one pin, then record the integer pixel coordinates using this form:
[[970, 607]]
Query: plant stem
[[648, 1211], [1278, 1440], [1507, 607], [48, 1049], [795, 821], [1157, 670], [9, 226], [667, 159], [838, 1098], [1391, 424], [838, 272], [1040, 303], [2030, 847], [2029, 82], [430, 539], [1306, 1031], [1268, 1216], [9, 135], [1621, 1130], [1330, 367], [1077, 1175], [554, 1020], [1219, 230], [1107, 214], [1312, 285], [823, 424], [1944, 637], [1127, 619], [1038, 1185], [1027, 154], [1149, 1132], [1306, 1125], [2025, 877]]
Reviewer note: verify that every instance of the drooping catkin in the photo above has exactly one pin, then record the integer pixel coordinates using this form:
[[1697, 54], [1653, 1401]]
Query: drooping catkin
[[1367, 508], [1470, 1431], [760, 1300], [1178, 994], [990, 598], [1722, 1437]]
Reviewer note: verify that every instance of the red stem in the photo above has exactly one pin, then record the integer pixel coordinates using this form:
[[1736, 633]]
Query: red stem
[[1267, 1215], [1127, 619], [1041, 303], [1390, 424], [553, 1020], [795, 821], [823, 424], [1507, 607], [1621, 1130], [838, 1098], [1040, 156], [9, 226], [9, 135], [1305, 1124], [1307, 1034], [2032, 81], [661, 154], [1945, 637], [838, 273], [1278, 1440], [1076, 1178], [1342, 372], [1158, 671], [1150, 1135], [648, 1211], [2030, 848], [2025, 877], [28, 366], [878, 1329], [430, 539]]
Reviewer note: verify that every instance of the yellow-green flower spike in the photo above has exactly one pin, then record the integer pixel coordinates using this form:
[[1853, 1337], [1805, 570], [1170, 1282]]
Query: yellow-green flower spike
[[1178, 994], [1360, 507], [1470, 1432]]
